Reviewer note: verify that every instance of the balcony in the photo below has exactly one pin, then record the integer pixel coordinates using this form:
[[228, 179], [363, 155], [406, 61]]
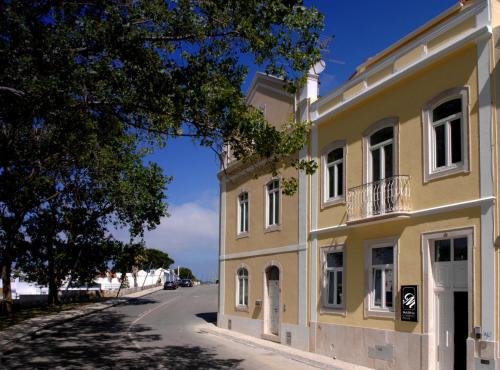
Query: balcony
[[379, 199]]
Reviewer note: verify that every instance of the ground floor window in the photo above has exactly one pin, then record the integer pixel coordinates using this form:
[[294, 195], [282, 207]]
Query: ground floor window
[[333, 260], [242, 287], [381, 269]]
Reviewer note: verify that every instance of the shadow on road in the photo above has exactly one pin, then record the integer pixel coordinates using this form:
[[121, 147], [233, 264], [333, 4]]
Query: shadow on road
[[102, 341], [210, 317]]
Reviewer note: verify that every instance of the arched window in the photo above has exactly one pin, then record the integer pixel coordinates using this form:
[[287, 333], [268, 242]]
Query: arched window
[[242, 287], [446, 134]]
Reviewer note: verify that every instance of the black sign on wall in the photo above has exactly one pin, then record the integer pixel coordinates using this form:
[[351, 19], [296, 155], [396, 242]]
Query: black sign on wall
[[409, 303]]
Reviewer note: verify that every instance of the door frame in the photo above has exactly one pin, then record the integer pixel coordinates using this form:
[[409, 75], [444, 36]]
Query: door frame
[[266, 334], [428, 302]]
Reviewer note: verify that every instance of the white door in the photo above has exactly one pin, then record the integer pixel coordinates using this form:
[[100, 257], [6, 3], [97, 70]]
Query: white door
[[451, 302], [273, 289]]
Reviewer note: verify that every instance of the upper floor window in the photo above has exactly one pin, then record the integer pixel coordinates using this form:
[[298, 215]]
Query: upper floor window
[[273, 203], [242, 287], [243, 213], [446, 134], [333, 173], [334, 278]]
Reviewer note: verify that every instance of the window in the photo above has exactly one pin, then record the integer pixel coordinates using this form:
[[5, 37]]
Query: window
[[273, 203], [381, 258], [334, 278], [243, 213], [445, 122], [446, 250], [333, 160], [242, 287]]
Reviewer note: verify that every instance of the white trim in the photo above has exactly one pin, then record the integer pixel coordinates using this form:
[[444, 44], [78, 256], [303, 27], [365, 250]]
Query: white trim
[[314, 281], [428, 309], [324, 183], [430, 172], [474, 35], [303, 231], [369, 310], [325, 306], [239, 233], [238, 306], [267, 225], [488, 292], [487, 201], [264, 252], [222, 248]]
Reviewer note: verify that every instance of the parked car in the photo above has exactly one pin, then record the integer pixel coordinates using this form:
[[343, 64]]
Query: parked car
[[170, 285], [186, 283]]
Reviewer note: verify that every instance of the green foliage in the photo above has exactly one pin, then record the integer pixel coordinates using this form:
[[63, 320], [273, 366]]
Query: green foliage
[[155, 259], [87, 89], [186, 273]]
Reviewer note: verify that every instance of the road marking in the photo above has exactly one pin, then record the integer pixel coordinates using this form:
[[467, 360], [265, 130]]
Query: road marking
[[139, 318]]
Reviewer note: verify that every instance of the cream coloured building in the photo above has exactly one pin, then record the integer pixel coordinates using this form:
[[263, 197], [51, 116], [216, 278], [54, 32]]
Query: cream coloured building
[[388, 255]]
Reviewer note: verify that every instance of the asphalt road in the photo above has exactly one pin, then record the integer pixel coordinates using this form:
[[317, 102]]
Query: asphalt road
[[160, 330]]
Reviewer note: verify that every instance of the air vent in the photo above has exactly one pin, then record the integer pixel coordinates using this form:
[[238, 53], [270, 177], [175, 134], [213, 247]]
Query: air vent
[[289, 338]]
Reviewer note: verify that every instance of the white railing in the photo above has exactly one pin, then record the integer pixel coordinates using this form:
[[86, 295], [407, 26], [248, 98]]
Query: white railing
[[390, 195]]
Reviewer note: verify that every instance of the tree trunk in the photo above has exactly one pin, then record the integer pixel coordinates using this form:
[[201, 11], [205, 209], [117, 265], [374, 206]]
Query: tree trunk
[[7, 292], [53, 297]]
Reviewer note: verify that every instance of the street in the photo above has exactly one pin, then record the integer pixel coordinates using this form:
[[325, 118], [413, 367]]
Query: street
[[160, 330]]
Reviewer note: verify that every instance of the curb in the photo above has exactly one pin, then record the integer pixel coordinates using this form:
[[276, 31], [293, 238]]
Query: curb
[[31, 327]]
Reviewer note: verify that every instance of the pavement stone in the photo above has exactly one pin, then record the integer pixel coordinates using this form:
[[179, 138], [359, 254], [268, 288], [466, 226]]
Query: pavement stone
[[308, 358]]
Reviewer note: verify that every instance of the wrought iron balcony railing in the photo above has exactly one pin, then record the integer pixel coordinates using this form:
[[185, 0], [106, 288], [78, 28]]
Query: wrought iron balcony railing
[[387, 196]]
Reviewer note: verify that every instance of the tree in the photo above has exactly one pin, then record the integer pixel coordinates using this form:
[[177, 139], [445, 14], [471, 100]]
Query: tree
[[186, 273], [84, 83], [155, 258], [128, 257]]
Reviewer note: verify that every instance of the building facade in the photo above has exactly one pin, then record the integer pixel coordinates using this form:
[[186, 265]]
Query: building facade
[[387, 256]]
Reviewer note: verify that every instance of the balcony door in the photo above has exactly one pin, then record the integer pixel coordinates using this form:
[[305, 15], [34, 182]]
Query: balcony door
[[381, 170]]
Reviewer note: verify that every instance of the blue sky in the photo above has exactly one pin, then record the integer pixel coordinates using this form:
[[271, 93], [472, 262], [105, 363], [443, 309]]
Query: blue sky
[[361, 29]]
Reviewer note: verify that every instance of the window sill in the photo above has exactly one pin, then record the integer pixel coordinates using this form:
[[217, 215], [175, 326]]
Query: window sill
[[242, 235], [337, 311], [241, 309], [382, 314], [332, 202], [445, 172], [272, 228]]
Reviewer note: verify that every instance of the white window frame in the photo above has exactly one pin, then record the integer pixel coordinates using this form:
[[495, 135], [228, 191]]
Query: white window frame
[[432, 172], [329, 307], [242, 306], [367, 155], [275, 225], [326, 201], [370, 309], [240, 204]]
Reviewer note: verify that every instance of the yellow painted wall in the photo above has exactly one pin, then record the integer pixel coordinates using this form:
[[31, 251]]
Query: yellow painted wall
[[409, 232], [406, 100], [258, 237], [279, 109], [288, 264]]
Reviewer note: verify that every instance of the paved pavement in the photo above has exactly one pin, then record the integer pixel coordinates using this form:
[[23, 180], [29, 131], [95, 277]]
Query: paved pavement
[[165, 329]]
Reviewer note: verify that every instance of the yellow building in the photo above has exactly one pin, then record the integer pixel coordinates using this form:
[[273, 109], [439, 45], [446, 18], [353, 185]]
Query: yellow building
[[387, 256]]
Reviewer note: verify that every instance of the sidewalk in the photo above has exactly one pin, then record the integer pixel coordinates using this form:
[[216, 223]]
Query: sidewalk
[[31, 326], [308, 358]]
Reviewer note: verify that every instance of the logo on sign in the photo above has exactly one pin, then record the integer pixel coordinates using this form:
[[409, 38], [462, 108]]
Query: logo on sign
[[409, 303]]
